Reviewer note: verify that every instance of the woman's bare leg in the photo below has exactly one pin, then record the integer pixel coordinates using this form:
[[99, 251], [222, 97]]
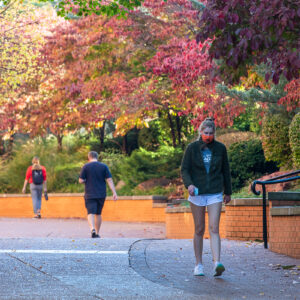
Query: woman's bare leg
[[214, 212], [199, 222]]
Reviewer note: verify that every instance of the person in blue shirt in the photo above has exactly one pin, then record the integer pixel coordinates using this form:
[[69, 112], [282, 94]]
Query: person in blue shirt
[[94, 175]]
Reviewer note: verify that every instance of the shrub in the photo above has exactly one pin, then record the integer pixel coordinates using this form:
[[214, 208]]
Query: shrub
[[294, 134], [149, 137], [143, 165], [113, 160], [275, 139], [65, 178], [247, 161], [130, 191]]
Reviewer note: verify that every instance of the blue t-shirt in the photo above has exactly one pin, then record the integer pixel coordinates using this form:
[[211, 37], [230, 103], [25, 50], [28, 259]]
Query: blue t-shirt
[[94, 173], [206, 155]]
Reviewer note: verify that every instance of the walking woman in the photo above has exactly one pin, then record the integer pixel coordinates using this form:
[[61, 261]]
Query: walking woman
[[206, 174], [36, 176]]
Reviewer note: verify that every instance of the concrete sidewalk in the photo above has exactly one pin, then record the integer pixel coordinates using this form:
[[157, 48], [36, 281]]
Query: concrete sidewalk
[[76, 228], [137, 268]]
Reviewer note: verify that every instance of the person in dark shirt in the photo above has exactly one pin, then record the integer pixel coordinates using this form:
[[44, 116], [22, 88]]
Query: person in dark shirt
[[205, 173], [94, 175]]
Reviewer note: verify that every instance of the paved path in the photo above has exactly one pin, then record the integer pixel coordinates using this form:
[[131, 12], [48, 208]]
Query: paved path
[[135, 268], [76, 228]]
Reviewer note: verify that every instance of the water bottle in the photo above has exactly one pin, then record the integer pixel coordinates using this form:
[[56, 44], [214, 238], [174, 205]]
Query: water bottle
[[195, 191]]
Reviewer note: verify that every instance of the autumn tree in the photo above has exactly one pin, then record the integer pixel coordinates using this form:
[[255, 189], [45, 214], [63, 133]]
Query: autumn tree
[[137, 69], [22, 28], [179, 81]]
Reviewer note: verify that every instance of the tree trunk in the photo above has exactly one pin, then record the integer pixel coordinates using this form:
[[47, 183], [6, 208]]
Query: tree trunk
[[2, 150], [179, 127], [59, 142], [102, 132], [125, 144], [10, 143], [172, 129]]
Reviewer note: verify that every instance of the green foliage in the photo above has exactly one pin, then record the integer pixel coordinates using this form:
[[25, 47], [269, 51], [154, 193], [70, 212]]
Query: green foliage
[[251, 97], [65, 177], [113, 160], [294, 135], [275, 139], [86, 8], [248, 120], [114, 144], [130, 191], [143, 165], [247, 161], [245, 192], [149, 138]]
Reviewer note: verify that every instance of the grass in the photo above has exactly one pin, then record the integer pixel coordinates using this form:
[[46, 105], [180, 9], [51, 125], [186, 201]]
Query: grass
[[244, 193]]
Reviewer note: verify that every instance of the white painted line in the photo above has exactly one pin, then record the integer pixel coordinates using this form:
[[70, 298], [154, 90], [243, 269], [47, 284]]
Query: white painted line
[[61, 251]]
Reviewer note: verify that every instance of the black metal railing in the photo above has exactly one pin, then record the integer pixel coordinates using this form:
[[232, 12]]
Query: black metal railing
[[273, 180]]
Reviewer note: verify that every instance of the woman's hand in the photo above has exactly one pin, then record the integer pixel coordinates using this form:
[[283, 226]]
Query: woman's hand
[[191, 189], [227, 199], [24, 190]]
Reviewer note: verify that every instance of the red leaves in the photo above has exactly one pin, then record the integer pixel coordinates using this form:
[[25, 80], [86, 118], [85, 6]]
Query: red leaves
[[292, 99], [101, 68], [182, 61]]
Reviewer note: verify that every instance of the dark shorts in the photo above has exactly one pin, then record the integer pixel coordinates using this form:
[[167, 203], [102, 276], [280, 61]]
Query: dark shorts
[[94, 206]]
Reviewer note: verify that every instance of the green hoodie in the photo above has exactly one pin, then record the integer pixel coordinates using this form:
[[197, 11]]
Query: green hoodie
[[193, 169]]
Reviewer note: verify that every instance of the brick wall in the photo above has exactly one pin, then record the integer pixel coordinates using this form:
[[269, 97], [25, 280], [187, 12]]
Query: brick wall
[[126, 209], [284, 230], [138, 210], [244, 219], [180, 224]]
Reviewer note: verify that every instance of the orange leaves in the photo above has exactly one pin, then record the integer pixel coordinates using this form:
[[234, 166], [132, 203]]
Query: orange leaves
[[254, 80]]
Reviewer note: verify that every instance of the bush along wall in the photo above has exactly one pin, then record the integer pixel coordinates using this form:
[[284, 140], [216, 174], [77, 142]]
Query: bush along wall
[[275, 139], [294, 134], [143, 165], [247, 161]]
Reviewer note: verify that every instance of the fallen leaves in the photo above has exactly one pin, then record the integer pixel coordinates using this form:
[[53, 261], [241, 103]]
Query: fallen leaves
[[288, 267]]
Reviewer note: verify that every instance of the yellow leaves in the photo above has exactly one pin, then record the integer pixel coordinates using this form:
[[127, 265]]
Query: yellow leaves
[[6, 136], [99, 124], [22, 30], [172, 112], [200, 104], [126, 122]]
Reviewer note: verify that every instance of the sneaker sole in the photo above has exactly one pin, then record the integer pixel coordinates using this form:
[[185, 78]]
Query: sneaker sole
[[219, 270], [199, 274]]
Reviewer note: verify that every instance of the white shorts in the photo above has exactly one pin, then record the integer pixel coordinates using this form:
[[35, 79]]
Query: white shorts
[[204, 200]]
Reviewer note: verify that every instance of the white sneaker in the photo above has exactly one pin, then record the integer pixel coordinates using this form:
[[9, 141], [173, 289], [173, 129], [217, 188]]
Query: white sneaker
[[198, 271]]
